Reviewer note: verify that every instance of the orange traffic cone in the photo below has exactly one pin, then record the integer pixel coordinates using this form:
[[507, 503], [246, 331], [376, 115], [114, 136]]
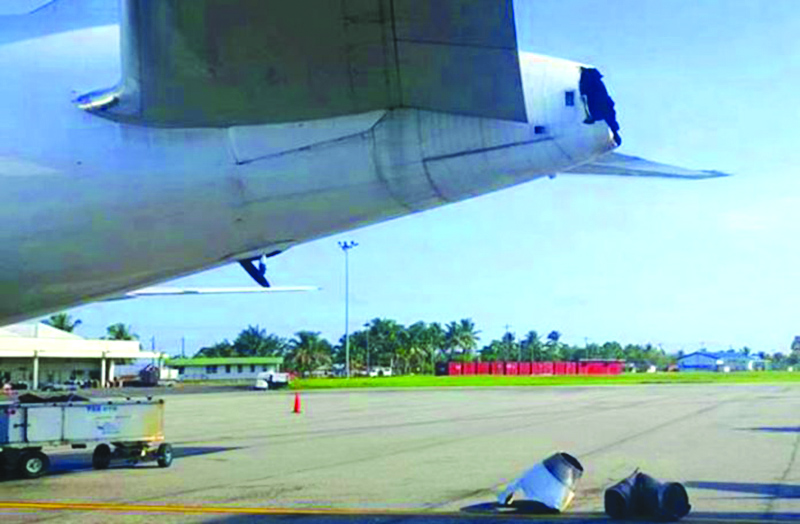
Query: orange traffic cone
[[296, 403]]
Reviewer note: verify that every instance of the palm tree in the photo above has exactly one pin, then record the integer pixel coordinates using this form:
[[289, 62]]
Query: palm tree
[[63, 321], [435, 342], [384, 341], [462, 336], [359, 346], [249, 341], [220, 349], [120, 331], [492, 352], [309, 351], [553, 347], [612, 350], [509, 344], [532, 346], [469, 336], [415, 346], [255, 342], [451, 339]]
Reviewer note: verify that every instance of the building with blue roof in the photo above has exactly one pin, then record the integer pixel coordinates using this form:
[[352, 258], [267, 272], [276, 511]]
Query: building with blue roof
[[721, 361]]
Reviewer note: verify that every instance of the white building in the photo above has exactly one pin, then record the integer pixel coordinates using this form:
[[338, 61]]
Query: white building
[[224, 368], [37, 354]]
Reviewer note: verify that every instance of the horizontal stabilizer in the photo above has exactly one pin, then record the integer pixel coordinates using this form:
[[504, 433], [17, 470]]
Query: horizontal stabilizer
[[173, 291], [616, 164]]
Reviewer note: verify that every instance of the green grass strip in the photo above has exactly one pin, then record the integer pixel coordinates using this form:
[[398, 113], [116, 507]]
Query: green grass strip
[[427, 381]]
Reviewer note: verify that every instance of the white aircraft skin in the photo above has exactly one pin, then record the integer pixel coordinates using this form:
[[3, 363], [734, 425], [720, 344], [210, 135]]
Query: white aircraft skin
[[92, 208]]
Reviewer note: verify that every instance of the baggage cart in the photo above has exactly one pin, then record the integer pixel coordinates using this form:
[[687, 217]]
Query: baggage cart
[[128, 429]]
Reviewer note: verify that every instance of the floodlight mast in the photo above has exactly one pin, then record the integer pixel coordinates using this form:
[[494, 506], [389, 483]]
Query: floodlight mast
[[346, 247]]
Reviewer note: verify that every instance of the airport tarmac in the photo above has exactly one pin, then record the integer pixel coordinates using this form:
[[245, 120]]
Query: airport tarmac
[[441, 454]]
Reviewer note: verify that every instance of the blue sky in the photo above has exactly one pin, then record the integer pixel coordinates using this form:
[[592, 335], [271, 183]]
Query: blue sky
[[708, 85]]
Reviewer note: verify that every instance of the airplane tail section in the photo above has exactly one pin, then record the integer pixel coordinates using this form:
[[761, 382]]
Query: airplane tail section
[[616, 164], [217, 63]]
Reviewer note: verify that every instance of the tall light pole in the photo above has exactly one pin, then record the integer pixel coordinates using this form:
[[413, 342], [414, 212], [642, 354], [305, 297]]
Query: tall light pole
[[346, 247]]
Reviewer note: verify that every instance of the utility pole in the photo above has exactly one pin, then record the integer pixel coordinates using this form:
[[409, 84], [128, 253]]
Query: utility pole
[[346, 247], [183, 347]]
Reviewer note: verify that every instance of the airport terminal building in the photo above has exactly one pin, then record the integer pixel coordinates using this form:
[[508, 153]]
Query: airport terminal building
[[37, 354]]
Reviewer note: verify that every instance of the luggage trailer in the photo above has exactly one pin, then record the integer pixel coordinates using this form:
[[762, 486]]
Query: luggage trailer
[[127, 429]]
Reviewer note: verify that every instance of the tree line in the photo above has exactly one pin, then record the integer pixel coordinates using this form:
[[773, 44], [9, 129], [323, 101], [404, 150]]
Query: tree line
[[418, 347]]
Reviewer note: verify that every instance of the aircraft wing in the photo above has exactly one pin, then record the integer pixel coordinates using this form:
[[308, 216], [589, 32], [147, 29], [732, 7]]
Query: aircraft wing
[[174, 291], [219, 63], [616, 164]]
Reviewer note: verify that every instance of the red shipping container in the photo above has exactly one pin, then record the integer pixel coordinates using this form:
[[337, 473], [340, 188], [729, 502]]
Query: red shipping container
[[601, 367], [454, 368], [498, 368], [512, 368], [547, 368], [559, 368], [468, 368], [524, 368], [484, 368]]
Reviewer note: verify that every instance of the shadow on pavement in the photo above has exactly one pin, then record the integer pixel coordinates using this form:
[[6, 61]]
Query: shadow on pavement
[[433, 518], [773, 491], [70, 463], [517, 507], [777, 429], [411, 518], [733, 517], [161, 391]]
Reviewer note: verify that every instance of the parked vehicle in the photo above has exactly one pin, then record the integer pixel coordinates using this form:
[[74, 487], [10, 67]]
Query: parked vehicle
[[271, 380], [150, 376], [69, 385]]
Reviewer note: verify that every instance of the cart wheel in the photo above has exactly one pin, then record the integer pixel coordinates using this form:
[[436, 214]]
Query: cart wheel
[[164, 455], [101, 457], [33, 464]]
